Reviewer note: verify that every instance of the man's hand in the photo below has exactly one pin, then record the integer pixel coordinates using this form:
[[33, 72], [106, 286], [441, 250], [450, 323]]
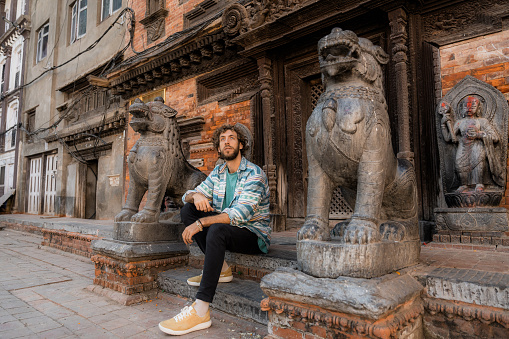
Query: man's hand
[[188, 233], [201, 203]]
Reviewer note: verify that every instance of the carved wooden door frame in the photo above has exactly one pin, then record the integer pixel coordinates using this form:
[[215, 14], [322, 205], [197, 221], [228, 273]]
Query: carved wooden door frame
[[297, 108]]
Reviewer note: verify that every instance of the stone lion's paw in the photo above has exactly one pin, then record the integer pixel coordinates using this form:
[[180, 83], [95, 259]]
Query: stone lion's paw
[[313, 229], [144, 216], [361, 232], [124, 215]]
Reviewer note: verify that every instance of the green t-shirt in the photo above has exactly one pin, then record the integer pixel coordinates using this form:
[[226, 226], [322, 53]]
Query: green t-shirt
[[231, 183]]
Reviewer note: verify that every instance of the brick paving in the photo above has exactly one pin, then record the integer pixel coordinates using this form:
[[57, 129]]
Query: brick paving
[[43, 295]]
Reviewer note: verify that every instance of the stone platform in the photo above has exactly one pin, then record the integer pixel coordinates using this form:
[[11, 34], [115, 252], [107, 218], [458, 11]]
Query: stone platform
[[459, 284]]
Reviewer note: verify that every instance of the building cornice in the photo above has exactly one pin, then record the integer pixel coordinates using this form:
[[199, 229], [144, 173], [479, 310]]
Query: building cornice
[[21, 27]]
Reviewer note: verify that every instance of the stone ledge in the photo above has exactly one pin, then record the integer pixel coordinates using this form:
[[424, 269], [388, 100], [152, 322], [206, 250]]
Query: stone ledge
[[469, 286], [469, 312], [468, 246], [239, 271]]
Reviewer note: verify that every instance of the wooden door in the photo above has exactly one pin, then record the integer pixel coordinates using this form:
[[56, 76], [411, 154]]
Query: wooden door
[[50, 184], [34, 186]]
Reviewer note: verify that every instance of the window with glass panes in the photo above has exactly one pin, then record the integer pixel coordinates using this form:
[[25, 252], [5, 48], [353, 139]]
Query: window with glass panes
[[42, 42], [109, 7], [78, 20]]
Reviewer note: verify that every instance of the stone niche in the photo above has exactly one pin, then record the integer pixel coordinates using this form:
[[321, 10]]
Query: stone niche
[[472, 122]]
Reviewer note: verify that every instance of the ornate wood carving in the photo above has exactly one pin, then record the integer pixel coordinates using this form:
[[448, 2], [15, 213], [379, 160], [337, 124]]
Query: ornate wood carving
[[109, 126], [241, 19], [235, 82], [94, 102], [266, 92], [470, 19], [297, 112], [399, 37]]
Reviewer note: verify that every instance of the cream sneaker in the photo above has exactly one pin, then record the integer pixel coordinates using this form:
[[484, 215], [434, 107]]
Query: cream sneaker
[[225, 276], [185, 322]]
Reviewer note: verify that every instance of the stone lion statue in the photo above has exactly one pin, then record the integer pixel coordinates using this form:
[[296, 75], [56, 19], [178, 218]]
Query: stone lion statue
[[348, 142], [156, 162]]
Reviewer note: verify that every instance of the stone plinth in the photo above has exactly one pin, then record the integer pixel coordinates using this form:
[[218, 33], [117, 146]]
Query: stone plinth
[[477, 219], [301, 305], [332, 259], [131, 262], [148, 232]]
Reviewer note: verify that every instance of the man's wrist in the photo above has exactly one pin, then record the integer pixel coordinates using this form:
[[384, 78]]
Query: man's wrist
[[199, 224]]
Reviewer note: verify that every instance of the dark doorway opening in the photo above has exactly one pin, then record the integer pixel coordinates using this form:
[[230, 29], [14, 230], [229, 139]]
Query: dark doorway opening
[[91, 189]]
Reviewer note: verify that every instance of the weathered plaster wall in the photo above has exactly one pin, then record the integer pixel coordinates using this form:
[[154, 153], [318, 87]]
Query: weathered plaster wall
[[44, 97], [109, 182], [486, 58]]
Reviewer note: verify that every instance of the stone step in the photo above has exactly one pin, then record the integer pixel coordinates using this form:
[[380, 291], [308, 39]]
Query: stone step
[[252, 267], [469, 286], [239, 297]]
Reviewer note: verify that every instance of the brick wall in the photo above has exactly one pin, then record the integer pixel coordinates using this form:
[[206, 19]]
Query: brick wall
[[485, 58], [174, 22]]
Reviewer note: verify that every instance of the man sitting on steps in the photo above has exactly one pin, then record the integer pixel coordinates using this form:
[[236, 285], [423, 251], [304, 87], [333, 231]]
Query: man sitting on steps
[[227, 211]]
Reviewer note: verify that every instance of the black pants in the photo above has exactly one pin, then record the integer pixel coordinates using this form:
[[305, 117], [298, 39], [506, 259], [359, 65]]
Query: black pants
[[213, 242]]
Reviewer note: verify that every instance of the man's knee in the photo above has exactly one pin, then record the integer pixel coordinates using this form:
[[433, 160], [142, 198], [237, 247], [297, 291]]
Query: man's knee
[[187, 212], [217, 231]]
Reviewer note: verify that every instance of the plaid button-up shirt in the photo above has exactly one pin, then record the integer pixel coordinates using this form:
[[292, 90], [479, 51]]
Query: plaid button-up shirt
[[250, 205]]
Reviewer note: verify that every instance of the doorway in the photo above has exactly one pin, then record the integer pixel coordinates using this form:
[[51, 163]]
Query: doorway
[[91, 189]]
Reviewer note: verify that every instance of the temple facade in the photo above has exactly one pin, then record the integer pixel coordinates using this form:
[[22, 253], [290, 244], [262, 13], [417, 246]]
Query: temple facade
[[216, 61]]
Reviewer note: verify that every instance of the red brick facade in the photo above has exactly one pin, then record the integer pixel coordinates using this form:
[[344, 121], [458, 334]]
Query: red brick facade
[[486, 58], [174, 22]]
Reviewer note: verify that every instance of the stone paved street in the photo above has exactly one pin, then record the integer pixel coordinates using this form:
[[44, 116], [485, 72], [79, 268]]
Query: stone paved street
[[43, 295]]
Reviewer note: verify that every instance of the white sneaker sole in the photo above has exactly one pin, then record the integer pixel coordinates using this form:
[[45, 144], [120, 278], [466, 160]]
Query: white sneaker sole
[[198, 327], [221, 280]]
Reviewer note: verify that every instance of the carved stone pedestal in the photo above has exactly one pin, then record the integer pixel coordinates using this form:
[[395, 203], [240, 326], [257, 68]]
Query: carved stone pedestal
[[131, 262], [301, 305], [332, 259], [480, 219]]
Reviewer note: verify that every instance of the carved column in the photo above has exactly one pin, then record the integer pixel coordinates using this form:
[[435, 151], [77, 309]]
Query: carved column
[[266, 91], [399, 36]]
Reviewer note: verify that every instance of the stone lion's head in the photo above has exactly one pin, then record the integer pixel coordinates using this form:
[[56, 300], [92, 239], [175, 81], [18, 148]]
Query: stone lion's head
[[342, 51], [150, 116]]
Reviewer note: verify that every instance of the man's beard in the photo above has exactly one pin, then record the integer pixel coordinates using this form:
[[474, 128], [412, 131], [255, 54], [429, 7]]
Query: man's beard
[[229, 157]]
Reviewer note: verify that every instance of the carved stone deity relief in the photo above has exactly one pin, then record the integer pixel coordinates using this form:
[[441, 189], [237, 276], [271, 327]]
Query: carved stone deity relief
[[348, 144], [472, 124]]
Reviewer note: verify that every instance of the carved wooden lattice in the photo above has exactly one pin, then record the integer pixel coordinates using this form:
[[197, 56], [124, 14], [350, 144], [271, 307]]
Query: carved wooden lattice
[[339, 208]]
